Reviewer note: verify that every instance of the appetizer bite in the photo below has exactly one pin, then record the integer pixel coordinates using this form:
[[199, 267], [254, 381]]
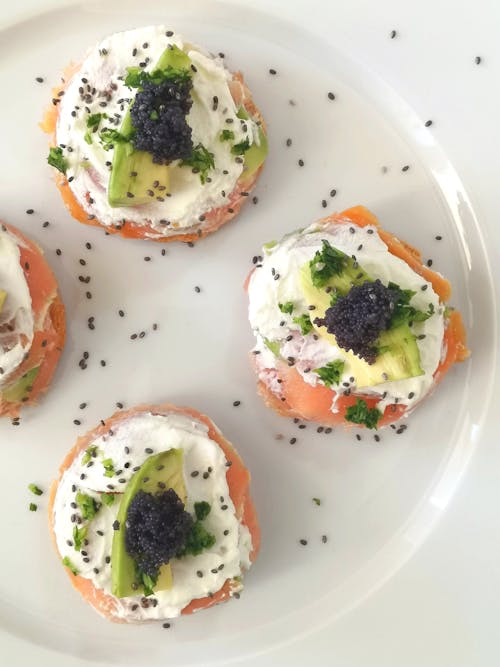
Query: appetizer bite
[[152, 517], [153, 138], [32, 324], [351, 327]]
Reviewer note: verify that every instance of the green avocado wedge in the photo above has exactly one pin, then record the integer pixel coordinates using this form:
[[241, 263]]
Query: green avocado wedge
[[133, 173], [255, 155], [166, 468], [21, 388]]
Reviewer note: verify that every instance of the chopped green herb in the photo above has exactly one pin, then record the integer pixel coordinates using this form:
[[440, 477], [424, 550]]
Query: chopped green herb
[[109, 137], [56, 159], [242, 113], [202, 510], [269, 245], [317, 501], [108, 498], [404, 313], [67, 562], [79, 534], [33, 507], [198, 539], [304, 323], [334, 297], [286, 307], [362, 414], [273, 345], [147, 581], [35, 489], [154, 115], [226, 135], [109, 467], [331, 373], [326, 263], [242, 147], [94, 119], [137, 77], [88, 506], [90, 453], [200, 159]]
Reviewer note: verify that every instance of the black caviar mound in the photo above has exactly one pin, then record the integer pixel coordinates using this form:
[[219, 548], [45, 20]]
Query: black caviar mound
[[157, 527], [357, 319], [159, 119]]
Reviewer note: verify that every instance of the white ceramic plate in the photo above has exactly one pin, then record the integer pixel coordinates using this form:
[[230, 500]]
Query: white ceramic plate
[[379, 500]]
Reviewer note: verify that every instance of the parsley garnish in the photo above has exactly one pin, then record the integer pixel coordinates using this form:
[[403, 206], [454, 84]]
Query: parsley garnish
[[331, 373], [404, 313], [304, 323], [198, 539], [108, 498], [242, 147], [93, 121], [362, 414], [35, 489], [66, 561], [269, 246], [202, 510], [109, 137], [273, 345], [286, 308], [137, 77], [56, 159], [90, 453], [88, 506], [33, 507], [226, 135], [334, 297], [147, 581], [108, 467], [326, 263], [202, 160], [317, 501], [79, 534]]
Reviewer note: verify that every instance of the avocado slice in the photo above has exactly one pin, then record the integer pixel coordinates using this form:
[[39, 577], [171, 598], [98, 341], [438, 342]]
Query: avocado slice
[[21, 389], [3, 296], [256, 154], [166, 468], [134, 175], [399, 356]]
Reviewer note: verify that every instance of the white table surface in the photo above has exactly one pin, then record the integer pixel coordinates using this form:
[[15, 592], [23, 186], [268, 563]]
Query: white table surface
[[442, 608]]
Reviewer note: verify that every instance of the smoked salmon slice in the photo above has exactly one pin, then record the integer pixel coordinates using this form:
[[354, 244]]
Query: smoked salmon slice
[[49, 326]]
